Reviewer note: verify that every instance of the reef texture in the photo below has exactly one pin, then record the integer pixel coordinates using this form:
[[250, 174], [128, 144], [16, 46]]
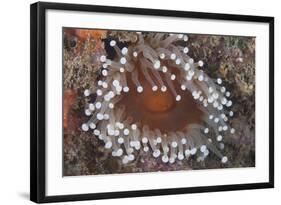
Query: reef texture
[[231, 58]]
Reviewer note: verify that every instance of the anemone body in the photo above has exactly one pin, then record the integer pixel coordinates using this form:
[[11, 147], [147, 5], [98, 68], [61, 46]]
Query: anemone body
[[153, 96]]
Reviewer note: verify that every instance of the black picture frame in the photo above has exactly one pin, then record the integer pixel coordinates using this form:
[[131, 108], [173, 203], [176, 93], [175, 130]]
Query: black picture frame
[[38, 101]]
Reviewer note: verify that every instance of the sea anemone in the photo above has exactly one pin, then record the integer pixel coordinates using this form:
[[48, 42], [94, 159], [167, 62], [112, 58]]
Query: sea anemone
[[153, 96]]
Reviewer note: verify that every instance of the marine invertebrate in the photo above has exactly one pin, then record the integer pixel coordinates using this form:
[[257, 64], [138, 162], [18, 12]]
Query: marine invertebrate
[[154, 96]]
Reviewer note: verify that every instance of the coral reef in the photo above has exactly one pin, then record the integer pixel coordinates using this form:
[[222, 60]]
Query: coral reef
[[154, 72]]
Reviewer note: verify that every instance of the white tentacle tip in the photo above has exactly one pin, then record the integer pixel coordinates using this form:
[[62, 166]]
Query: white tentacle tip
[[139, 89], [163, 88], [87, 92], [200, 63], [103, 58], [124, 50], [165, 158], [224, 159], [108, 145], [185, 50], [155, 88], [112, 43], [123, 60], [85, 127], [157, 64]]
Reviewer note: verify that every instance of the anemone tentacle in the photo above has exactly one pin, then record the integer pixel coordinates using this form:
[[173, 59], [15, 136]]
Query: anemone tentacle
[[158, 63]]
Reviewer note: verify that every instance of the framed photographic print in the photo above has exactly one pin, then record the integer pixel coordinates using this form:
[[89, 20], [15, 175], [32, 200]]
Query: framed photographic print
[[129, 102]]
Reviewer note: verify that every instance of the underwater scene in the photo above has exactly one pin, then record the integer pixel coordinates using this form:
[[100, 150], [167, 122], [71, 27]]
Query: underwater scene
[[142, 101]]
